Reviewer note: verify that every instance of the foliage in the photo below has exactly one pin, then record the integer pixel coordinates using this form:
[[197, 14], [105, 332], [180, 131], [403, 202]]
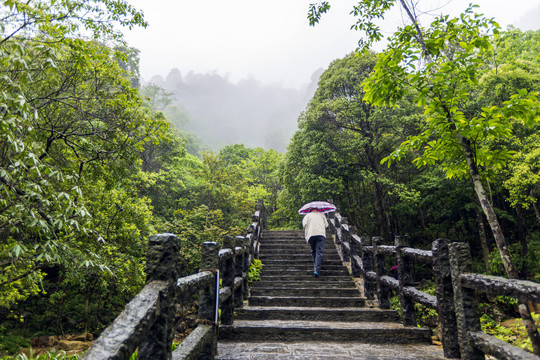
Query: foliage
[[255, 269], [61, 355], [515, 45], [425, 317], [336, 155], [457, 47], [69, 123], [511, 331], [442, 65], [12, 342]]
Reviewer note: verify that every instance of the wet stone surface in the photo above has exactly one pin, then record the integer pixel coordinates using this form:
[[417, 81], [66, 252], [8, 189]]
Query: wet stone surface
[[326, 351]]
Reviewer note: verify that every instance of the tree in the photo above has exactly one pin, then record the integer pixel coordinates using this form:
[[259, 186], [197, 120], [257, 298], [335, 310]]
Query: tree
[[66, 112], [339, 146], [442, 64]]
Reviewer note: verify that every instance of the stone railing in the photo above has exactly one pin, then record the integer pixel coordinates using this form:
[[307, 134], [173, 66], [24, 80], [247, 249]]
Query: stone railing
[[455, 300], [147, 322]]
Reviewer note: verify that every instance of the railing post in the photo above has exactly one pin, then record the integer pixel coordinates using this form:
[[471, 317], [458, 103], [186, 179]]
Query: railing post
[[405, 278], [207, 297], [331, 226], [262, 214], [445, 298], [367, 263], [355, 269], [162, 264], [227, 307], [253, 229], [337, 238], [238, 269], [345, 243], [245, 271], [380, 269], [465, 301]]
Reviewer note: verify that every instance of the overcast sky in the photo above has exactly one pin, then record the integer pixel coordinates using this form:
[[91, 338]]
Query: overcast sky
[[271, 41]]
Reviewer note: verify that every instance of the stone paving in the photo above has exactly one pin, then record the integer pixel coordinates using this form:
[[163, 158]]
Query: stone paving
[[326, 351]]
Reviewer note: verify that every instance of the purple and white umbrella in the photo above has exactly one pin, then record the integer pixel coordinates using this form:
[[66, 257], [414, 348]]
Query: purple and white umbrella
[[321, 206]]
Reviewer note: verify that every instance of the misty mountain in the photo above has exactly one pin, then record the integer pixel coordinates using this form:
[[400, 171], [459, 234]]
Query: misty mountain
[[248, 112]]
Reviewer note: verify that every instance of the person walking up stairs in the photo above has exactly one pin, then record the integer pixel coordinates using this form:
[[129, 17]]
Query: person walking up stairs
[[315, 225]]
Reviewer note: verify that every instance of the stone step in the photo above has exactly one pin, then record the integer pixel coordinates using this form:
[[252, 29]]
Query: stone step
[[280, 251], [315, 314], [288, 245], [296, 257], [299, 330], [303, 277], [300, 244], [311, 301], [300, 237], [305, 266], [282, 234], [308, 291], [306, 261], [284, 240], [311, 282], [307, 272], [317, 350]]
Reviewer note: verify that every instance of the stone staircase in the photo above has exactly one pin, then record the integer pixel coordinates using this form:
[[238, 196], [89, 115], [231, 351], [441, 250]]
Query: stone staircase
[[292, 314]]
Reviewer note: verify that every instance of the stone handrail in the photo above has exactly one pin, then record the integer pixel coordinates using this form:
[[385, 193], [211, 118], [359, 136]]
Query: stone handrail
[[147, 321], [455, 283], [474, 343]]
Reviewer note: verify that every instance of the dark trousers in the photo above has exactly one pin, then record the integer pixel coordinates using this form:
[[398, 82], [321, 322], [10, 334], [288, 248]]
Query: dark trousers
[[317, 244]]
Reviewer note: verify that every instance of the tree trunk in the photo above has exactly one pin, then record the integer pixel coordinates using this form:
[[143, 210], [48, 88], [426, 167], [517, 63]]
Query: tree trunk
[[499, 239], [422, 218], [488, 209], [483, 238]]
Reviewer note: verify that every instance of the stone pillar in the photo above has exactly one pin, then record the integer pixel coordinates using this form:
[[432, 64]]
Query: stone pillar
[[238, 268], [227, 306], [337, 230], [465, 301], [245, 270], [445, 298], [255, 237], [207, 297], [343, 232], [331, 231], [405, 278], [262, 213], [345, 242], [367, 263], [380, 269], [355, 269], [331, 226], [162, 264]]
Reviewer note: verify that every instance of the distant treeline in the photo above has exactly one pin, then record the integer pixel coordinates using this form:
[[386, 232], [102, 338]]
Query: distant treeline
[[222, 113]]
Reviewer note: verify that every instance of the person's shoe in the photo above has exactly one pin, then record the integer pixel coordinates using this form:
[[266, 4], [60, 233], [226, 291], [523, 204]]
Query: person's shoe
[[316, 274]]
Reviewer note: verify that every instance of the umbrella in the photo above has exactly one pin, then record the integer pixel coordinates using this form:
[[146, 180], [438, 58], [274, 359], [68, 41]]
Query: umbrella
[[321, 206]]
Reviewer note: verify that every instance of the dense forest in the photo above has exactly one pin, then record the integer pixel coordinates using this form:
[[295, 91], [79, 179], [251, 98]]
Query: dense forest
[[93, 162]]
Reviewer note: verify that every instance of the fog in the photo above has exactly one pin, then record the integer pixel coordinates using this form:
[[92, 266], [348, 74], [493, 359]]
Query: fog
[[248, 112]]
